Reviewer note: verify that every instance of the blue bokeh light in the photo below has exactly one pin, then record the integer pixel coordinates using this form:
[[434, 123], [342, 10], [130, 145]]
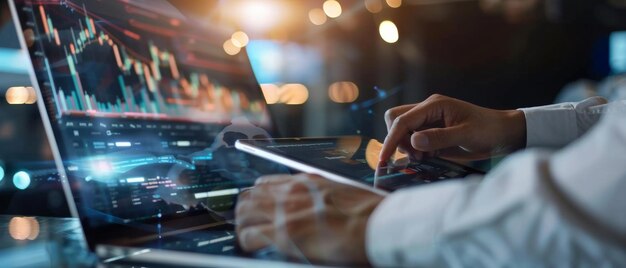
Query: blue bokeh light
[[265, 59], [1, 173], [280, 62], [21, 180], [618, 52], [13, 61]]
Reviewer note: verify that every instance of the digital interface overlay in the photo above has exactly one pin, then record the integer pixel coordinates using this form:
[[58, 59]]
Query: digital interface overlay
[[145, 108], [357, 158]]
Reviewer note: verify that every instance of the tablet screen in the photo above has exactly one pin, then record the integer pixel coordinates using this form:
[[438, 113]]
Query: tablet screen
[[356, 158]]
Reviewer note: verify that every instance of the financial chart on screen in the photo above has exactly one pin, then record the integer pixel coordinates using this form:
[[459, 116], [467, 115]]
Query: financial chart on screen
[[145, 107]]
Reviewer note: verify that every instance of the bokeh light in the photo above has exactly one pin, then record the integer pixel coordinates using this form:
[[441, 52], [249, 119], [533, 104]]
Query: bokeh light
[[394, 3], [258, 15], [317, 16], [290, 94], [19, 228], [32, 95], [1, 173], [389, 31], [374, 6], [21, 180], [372, 153], [22, 228], [17, 95], [230, 48], [21, 95], [271, 93], [293, 94], [102, 168], [240, 39], [343, 92], [29, 36], [332, 8]]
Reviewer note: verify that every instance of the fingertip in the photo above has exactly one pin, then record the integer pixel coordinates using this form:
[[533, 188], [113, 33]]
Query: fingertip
[[255, 237], [383, 156], [246, 237]]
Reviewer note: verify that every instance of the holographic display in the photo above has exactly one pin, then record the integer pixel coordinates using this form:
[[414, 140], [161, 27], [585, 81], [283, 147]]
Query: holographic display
[[144, 69], [145, 108], [357, 158]]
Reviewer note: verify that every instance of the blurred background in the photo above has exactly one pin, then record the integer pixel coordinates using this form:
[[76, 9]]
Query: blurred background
[[334, 67], [331, 67]]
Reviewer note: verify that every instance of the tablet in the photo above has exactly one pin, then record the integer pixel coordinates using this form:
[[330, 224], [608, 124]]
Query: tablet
[[354, 160]]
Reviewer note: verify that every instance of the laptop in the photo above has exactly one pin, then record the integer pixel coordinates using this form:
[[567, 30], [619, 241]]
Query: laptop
[[142, 108]]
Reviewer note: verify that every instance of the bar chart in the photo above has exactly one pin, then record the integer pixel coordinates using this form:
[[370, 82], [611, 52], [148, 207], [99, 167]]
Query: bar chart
[[102, 69]]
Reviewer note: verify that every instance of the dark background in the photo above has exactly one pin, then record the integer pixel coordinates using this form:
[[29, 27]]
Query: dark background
[[455, 49]]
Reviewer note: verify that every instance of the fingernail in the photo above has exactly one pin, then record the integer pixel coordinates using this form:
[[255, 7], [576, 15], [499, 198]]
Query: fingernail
[[421, 141]]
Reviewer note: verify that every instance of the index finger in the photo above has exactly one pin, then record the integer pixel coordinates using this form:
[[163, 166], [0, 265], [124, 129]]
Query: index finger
[[404, 125], [393, 113]]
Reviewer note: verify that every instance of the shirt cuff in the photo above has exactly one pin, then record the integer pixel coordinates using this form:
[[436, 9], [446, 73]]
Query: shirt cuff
[[550, 126], [394, 230], [559, 124]]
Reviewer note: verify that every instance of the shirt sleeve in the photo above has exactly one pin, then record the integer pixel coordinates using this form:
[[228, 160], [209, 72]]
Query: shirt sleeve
[[537, 208], [554, 126]]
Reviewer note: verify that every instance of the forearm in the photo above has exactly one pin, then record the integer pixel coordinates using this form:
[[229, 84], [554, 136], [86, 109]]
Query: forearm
[[535, 205], [510, 217]]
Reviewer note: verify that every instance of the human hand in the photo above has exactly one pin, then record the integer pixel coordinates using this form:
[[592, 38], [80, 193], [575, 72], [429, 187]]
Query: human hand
[[452, 128], [306, 216]]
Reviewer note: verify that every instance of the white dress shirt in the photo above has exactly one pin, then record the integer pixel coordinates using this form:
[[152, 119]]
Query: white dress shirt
[[538, 208]]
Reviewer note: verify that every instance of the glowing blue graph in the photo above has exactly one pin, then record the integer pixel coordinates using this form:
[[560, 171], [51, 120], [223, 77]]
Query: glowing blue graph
[[104, 168], [381, 95]]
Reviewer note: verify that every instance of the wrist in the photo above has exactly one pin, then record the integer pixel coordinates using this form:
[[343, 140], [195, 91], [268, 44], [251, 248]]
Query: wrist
[[515, 129]]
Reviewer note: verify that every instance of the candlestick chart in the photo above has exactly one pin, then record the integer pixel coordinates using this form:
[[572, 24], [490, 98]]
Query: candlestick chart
[[138, 66], [141, 101]]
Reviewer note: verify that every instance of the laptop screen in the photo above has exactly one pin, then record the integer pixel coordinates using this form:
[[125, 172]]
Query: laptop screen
[[145, 108]]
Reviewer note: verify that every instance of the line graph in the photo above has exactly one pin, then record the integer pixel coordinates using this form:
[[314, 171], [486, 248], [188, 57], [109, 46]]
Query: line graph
[[98, 68]]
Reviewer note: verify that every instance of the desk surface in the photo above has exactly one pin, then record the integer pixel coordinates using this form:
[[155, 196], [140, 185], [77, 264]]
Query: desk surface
[[56, 242]]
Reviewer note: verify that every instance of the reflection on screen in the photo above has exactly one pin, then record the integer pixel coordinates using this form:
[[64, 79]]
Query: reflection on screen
[[356, 157], [145, 108]]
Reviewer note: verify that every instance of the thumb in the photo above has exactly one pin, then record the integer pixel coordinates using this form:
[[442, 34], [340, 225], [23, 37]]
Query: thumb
[[437, 138]]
